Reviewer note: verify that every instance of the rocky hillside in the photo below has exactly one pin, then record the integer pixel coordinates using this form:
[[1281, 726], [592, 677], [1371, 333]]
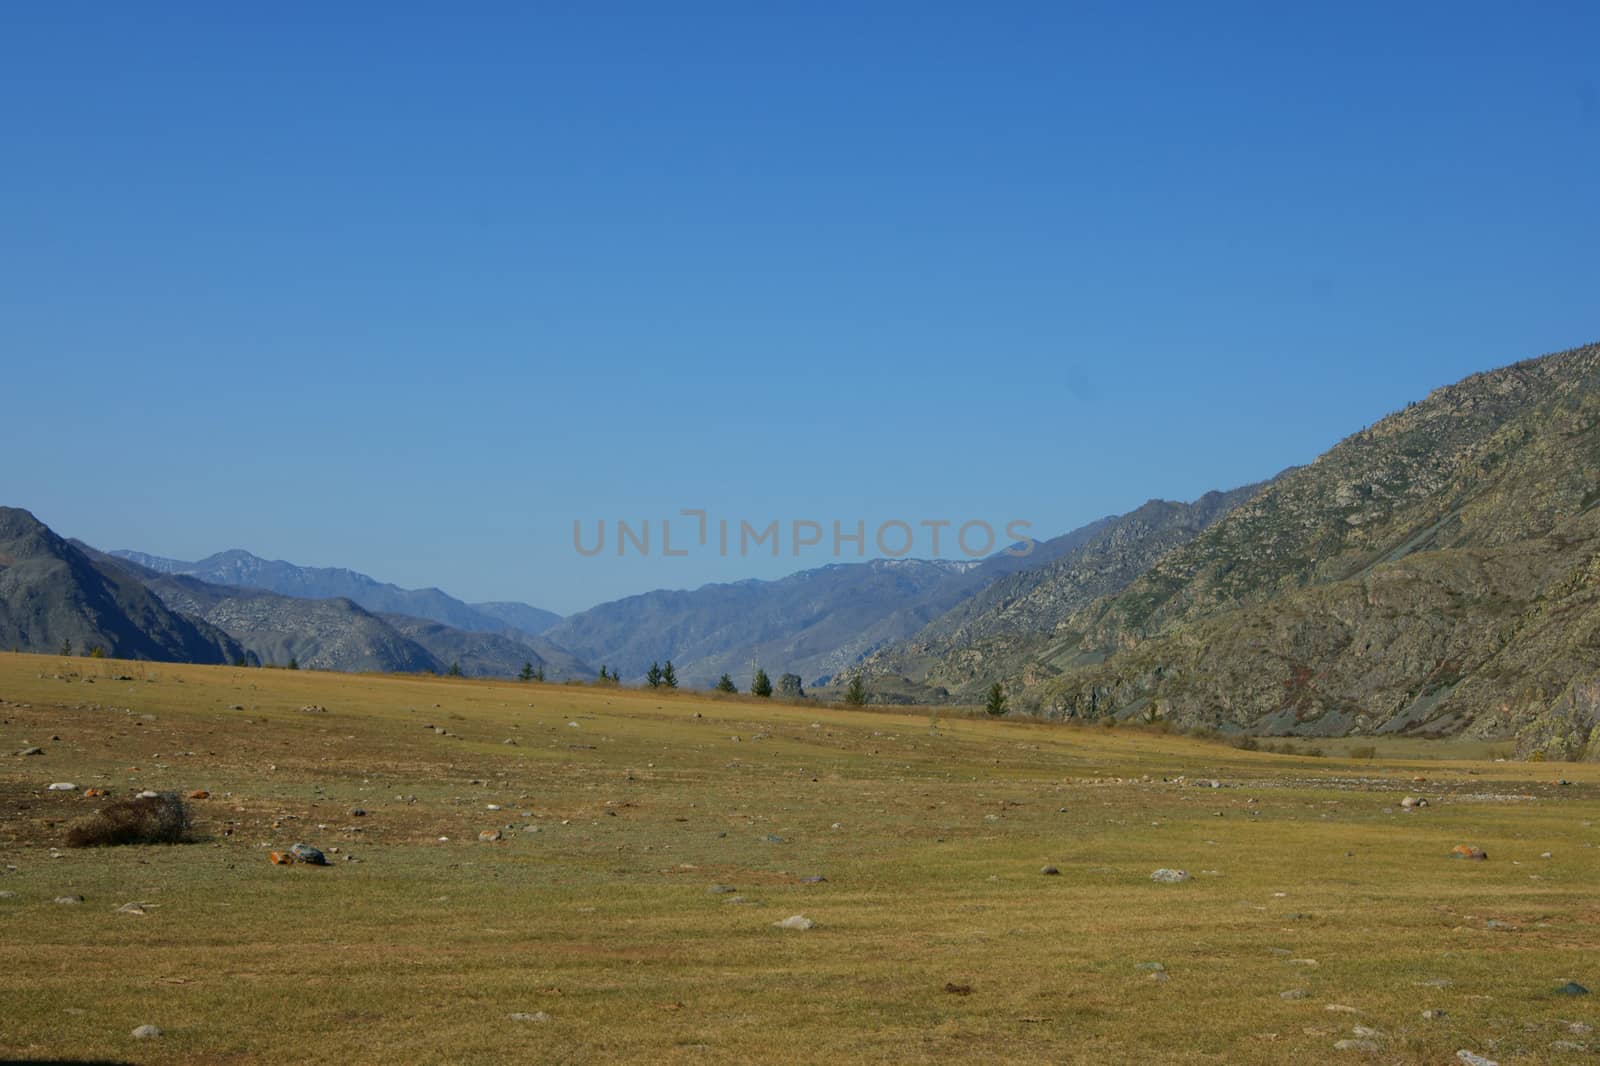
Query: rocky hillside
[[52, 593], [241, 569], [994, 634], [1431, 574]]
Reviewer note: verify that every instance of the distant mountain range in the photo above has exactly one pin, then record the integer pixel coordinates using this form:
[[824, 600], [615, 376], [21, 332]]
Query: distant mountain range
[[242, 569], [338, 634], [815, 623], [1433, 574]]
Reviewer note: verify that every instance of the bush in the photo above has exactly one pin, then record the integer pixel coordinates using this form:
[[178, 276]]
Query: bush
[[159, 819], [1364, 751], [1246, 742]]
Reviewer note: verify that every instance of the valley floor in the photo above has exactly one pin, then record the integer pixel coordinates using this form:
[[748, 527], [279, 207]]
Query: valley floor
[[1317, 911]]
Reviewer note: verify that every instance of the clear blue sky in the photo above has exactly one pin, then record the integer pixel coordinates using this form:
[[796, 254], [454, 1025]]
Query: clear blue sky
[[409, 290]]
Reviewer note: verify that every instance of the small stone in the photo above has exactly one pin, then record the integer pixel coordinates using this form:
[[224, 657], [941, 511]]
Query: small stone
[[1356, 1045], [357, 812], [1471, 1058], [63, 786], [1572, 988], [813, 879], [146, 1032], [1049, 871], [1160, 977], [1155, 966], [1496, 923], [31, 751], [1568, 1045], [133, 908], [1339, 1008], [1468, 851], [721, 890], [199, 794], [69, 901], [1294, 993], [773, 838], [1434, 1014], [524, 1016], [796, 921], [489, 836], [1167, 876]]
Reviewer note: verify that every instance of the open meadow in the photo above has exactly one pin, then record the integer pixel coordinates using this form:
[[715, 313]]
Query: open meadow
[[642, 847]]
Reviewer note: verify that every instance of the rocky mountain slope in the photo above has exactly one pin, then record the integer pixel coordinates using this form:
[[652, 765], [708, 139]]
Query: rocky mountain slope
[[994, 634], [241, 569], [51, 592], [1431, 574]]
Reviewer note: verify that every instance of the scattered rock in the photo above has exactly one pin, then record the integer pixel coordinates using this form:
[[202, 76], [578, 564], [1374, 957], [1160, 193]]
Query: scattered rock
[[1356, 1045], [281, 858], [31, 751], [524, 1016], [1568, 1045], [307, 854], [796, 921], [69, 901], [1572, 988], [1434, 1014], [489, 836], [357, 812], [957, 990], [813, 879], [773, 838], [1496, 923], [63, 786], [721, 890], [134, 908], [1169, 877], [199, 794], [146, 1032], [1467, 851], [1154, 966], [1471, 1058], [1339, 1008], [1294, 993], [1049, 871]]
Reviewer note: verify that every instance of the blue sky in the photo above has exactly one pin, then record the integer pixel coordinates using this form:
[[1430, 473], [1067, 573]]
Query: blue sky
[[410, 291]]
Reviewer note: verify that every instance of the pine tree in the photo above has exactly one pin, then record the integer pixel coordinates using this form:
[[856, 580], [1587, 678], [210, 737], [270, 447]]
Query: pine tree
[[727, 685], [761, 684], [652, 676], [603, 676], [294, 664], [455, 670], [527, 672], [995, 703], [538, 675], [855, 694], [669, 676], [66, 647]]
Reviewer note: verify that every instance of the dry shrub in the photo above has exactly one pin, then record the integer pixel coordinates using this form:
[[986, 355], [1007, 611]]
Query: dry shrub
[[159, 819]]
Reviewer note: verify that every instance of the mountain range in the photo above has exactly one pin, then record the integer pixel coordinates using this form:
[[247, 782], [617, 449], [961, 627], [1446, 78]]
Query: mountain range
[[1433, 574], [244, 570]]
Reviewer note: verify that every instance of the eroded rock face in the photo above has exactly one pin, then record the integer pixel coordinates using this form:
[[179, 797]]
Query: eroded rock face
[[1430, 575]]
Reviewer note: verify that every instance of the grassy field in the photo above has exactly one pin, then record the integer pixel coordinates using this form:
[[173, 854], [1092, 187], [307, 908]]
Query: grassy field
[[937, 935]]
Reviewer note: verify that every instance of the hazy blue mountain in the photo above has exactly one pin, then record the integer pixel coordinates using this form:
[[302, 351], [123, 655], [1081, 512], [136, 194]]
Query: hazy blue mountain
[[242, 569]]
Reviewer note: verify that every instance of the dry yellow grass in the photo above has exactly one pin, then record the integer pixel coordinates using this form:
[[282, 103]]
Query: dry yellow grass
[[1306, 876]]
